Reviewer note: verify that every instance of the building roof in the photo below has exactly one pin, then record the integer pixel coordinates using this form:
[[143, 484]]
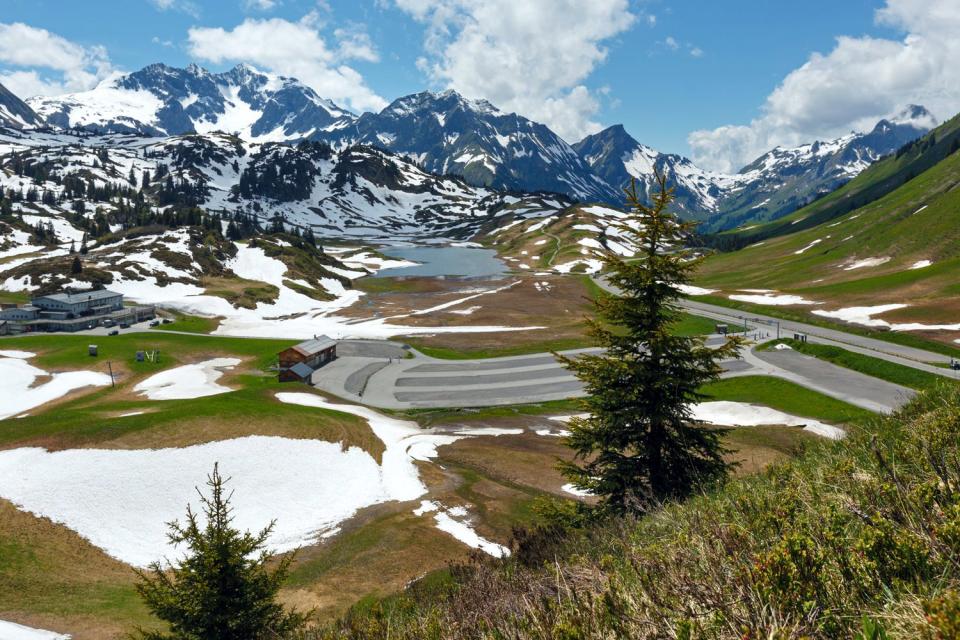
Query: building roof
[[301, 370], [82, 296], [311, 347]]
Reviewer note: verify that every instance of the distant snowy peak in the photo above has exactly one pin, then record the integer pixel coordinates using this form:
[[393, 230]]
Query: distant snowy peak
[[915, 116], [617, 157], [14, 112], [854, 152], [775, 184], [160, 100], [448, 133]]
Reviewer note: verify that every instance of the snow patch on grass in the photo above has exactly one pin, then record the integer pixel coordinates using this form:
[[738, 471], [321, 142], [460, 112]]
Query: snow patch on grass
[[691, 290], [867, 262], [572, 490], [864, 316], [189, 381], [921, 264], [466, 312], [455, 521], [13, 353], [742, 414], [772, 299], [14, 631], [17, 378], [588, 266], [809, 246], [561, 433]]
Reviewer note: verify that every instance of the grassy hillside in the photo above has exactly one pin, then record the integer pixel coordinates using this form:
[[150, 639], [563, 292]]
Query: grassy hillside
[[856, 539], [53, 578], [875, 182], [899, 233]]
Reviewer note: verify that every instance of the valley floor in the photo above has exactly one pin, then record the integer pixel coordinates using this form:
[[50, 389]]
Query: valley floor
[[98, 453], [476, 473]]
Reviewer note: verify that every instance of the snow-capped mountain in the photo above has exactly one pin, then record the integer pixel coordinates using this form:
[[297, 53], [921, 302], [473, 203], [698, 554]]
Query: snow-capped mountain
[[617, 157], [444, 133], [159, 100], [775, 184], [14, 112], [447, 133]]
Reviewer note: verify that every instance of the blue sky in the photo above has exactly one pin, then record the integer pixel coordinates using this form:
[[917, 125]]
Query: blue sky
[[694, 77]]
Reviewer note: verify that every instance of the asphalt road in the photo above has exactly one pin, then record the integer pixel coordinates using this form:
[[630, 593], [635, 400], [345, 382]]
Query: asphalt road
[[892, 352]]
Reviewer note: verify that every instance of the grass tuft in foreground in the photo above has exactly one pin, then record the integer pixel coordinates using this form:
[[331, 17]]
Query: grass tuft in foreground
[[859, 538]]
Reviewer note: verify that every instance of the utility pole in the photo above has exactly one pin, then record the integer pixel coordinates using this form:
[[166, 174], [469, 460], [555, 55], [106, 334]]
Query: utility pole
[[110, 367]]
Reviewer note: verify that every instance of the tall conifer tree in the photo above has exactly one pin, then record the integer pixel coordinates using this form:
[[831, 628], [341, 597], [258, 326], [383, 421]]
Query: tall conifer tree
[[638, 444], [224, 589]]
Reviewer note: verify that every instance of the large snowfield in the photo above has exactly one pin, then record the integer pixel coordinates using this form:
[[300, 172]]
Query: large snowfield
[[120, 500]]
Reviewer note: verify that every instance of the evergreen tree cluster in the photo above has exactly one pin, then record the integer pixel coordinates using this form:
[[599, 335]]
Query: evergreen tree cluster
[[281, 173], [180, 193]]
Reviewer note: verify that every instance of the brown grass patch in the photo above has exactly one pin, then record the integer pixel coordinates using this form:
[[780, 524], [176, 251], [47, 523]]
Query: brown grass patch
[[558, 306], [193, 431], [527, 459], [756, 448], [51, 578]]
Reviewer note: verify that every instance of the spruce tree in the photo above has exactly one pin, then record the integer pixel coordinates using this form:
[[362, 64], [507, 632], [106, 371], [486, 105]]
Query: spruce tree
[[223, 588], [76, 266], [638, 445]]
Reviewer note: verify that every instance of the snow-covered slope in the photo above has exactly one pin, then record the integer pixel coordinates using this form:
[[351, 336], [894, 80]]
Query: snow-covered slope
[[162, 100], [14, 112], [447, 133], [358, 191], [770, 187]]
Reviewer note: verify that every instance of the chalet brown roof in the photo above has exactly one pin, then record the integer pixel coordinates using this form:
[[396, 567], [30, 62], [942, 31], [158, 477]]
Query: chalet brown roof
[[315, 346]]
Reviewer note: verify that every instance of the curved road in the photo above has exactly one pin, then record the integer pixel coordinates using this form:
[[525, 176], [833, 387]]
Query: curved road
[[892, 352]]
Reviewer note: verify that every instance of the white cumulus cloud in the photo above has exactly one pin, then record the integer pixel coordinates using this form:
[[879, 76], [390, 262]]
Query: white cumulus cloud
[[294, 49], [860, 81], [35, 62], [532, 56]]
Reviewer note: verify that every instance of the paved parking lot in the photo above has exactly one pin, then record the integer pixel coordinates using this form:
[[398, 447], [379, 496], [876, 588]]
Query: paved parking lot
[[376, 377]]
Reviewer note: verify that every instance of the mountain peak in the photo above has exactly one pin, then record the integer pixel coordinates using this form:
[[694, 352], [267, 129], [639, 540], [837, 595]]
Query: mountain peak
[[161, 100], [915, 115], [244, 69], [196, 70]]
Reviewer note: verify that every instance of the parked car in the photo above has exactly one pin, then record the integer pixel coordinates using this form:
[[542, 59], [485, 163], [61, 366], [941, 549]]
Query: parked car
[[115, 332], [167, 321], [124, 325], [108, 323], [155, 323]]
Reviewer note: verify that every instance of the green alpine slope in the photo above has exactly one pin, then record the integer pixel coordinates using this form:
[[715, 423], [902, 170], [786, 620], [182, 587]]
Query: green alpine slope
[[880, 179], [902, 248]]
